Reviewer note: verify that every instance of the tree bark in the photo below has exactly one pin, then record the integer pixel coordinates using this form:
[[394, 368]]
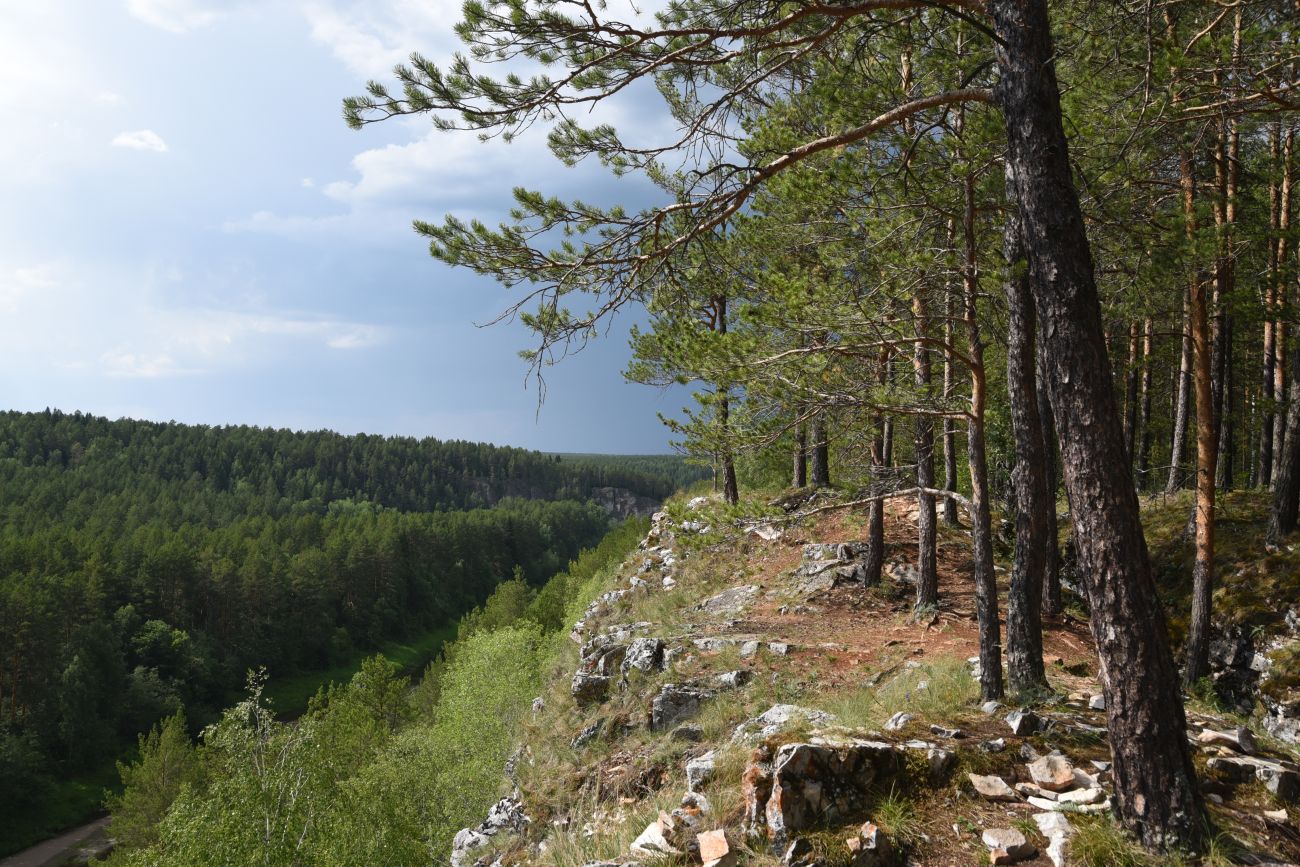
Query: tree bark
[[875, 560], [1280, 298], [800, 476], [1182, 405], [1156, 792], [1286, 490], [1131, 392], [981, 519], [1207, 443], [1025, 672], [949, 424], [1144, 420], [1052, 605], [927, 579], [820, 471]]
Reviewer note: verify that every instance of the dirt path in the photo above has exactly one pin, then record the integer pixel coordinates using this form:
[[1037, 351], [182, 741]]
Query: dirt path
[[63, 848]]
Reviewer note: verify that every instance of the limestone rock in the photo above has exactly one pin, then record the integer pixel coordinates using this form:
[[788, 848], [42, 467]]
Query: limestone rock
[[1054, 773], [1024, 722], [734, 679], [588, 688], [587, 735], [675, 703], [749, 649], [776, 719], [1081, 796], [942, 732], [870, 847], [644, 655], [1007, 845], [729, 602], [1242, 740], [1097, 702], [653, 841], [992, 787], [700, 770], [799, 854], [715, 851], [822, 783], [898, 720], [687, 732], [506, 816]]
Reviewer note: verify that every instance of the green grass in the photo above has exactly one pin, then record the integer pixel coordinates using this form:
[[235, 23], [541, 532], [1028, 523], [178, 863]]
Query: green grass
[[936, 692], [289, 695], [63, 805]]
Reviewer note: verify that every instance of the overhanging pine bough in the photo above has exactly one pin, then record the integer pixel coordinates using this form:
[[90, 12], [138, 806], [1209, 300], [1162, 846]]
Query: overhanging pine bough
[[730, 51]]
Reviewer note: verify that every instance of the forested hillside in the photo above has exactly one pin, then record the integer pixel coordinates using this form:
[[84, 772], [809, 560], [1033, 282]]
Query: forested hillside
[[145, 567]]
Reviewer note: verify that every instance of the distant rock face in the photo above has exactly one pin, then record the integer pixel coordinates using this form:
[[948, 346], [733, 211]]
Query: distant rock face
[[622, 503], [676, 703], [507, 816]]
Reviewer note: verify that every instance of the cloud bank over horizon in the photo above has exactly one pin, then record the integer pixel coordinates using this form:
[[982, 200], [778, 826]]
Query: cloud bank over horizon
[[191, 232]]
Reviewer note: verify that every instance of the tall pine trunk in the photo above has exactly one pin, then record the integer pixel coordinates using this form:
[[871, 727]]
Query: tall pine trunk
[[1182, 404], [820, 471], [1155, 786], [981, 520], [949, 424], [1144, 419], [1052, 605], [1280, 298], [927, 578], [799, 478], [1207, 443], [1025, 672], [875, 560], [1131, 381]]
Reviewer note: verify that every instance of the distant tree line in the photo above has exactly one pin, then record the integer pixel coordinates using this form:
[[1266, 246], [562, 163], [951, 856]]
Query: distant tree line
[[145, 568]]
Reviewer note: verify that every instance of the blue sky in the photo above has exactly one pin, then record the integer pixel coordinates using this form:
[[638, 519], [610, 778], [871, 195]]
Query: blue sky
[[189, 231]]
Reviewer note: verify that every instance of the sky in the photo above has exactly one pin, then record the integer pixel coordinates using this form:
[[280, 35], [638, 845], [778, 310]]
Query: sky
[[189, 231]]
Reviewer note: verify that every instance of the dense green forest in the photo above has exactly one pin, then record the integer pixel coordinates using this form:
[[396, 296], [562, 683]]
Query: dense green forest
[[144, 567]]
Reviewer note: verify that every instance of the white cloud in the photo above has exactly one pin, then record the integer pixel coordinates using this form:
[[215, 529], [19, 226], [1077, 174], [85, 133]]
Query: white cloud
[[372, 37], [108, 97], [174, 16], [140, 140], [308, 183], [136, 323]]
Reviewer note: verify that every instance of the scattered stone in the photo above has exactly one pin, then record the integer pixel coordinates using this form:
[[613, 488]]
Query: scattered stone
[[1101, 766], [700, 770], [669, 582], [1007, 845], [870, 847], [800, 853], [1058, 830], [996, 745], [1029, 790], [1281, 782], [731, 601], [587, 735], [675, 703], [1081, 796], [506, 816], [1027, 752], [1242, 740], [588, 688], [1042, 803], [713, 644], [734, 679], [1097, 702], [645, 655], [1054, 773], [1024, 722], [947, 733], [1276, 815], [780, 648], [749, 649], [820, 783], [653, 841], [777, 718], [993, 788], [688, 732], [991, 707], [898, 720], [715, 851]]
